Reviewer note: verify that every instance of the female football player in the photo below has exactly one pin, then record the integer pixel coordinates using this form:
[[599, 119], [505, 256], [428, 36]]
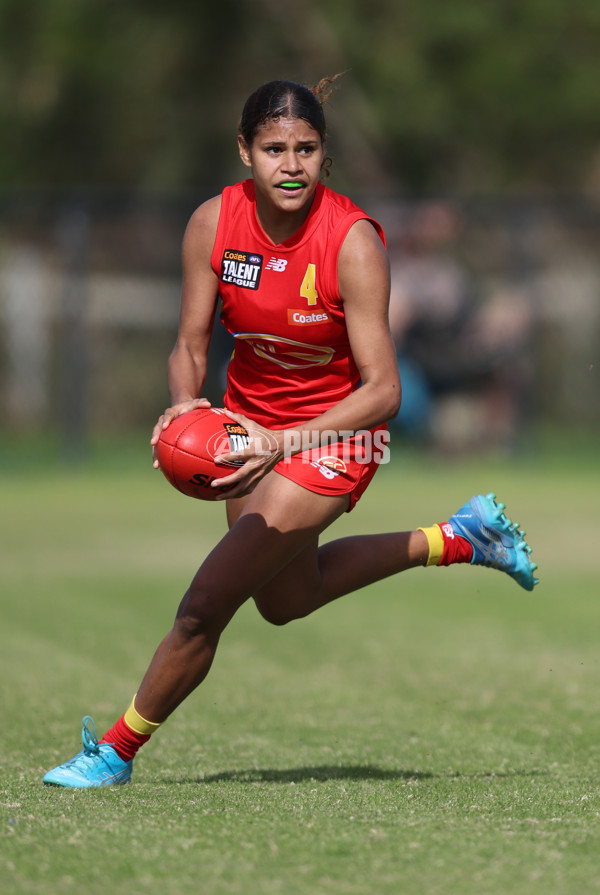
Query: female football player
[[303, 277]]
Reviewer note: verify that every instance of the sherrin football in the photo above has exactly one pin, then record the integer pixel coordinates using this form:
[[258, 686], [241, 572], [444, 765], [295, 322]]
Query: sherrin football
[[187, 448]]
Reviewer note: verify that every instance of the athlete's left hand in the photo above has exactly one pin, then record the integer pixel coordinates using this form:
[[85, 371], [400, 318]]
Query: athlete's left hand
[[264, 451]]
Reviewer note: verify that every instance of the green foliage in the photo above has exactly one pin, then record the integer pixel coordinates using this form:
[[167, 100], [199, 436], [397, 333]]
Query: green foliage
[[436, 96], [491, 94], [434, 733]]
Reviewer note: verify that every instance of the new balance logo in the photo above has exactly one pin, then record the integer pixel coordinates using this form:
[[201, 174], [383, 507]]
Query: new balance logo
[[278, 264]]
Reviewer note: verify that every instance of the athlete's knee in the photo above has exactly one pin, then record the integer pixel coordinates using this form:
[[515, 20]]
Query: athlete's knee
[[278, 613], [192, 626], [204, 614], [276, 616]]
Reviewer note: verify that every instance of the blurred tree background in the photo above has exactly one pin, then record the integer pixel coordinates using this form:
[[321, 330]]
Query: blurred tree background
[[471, 129], [458, 96]]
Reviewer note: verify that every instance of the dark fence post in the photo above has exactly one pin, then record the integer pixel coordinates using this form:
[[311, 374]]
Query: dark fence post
[[73, 237]]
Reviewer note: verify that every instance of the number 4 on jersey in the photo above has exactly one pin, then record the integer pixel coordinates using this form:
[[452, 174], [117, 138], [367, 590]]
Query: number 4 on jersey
[[308, 289]]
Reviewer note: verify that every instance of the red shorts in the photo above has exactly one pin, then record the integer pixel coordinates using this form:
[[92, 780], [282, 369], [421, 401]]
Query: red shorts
[[343, 467]]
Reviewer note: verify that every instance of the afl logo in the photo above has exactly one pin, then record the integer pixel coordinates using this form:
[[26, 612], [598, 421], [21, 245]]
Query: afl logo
[[254, 259]]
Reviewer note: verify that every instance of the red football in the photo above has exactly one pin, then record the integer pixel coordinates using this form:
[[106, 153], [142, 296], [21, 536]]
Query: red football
[[187, 448]]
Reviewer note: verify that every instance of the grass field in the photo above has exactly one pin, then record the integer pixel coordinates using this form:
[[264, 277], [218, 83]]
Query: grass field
[[435, 733]]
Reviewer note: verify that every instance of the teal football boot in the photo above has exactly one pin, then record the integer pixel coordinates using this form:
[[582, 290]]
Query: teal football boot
[[96, 765], [497, 542]]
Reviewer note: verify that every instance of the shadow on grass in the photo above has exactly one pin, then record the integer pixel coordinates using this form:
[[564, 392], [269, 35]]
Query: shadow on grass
[[323, 773], [319, 773]]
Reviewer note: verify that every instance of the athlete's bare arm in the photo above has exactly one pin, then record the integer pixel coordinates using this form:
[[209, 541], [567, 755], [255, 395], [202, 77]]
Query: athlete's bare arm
[[187, 362], [364, 282]]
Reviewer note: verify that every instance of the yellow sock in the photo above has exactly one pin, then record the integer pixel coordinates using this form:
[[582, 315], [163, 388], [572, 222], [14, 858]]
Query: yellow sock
[[435, 540], [137, 723]]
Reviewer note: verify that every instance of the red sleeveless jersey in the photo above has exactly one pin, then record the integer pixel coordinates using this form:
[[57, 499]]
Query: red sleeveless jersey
[[281, 303]]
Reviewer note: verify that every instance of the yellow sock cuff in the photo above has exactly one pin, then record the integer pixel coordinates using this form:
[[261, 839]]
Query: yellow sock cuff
[[139, 724], [435, 539]]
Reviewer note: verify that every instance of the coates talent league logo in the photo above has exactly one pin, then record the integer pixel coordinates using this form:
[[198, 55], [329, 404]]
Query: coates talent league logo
[[235, 438], [241, 268]]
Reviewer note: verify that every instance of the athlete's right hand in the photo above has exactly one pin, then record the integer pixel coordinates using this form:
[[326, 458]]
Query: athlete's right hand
[[168, 416]]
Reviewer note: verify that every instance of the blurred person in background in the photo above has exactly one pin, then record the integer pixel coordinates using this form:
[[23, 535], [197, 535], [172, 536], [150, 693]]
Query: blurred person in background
[[462, 356]]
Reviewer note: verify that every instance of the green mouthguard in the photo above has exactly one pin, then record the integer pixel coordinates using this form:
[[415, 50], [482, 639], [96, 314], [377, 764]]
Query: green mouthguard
[[292, 184]]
